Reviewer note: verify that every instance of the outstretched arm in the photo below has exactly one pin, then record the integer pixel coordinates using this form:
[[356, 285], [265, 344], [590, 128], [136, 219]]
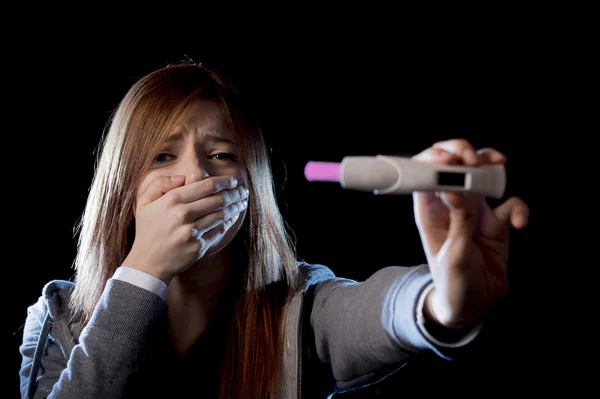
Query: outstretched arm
[[365, 330]]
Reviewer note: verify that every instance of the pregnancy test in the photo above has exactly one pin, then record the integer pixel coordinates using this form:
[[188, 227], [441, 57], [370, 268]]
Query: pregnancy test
[[383, 174]]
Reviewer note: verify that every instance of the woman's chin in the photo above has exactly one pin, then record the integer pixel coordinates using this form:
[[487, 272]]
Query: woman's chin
[[215, 249]]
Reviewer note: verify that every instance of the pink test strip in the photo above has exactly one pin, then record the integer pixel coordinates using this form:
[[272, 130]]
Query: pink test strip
[[322, 171]]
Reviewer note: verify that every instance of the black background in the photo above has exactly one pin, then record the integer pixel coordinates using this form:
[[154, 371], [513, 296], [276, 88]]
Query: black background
[[319, 98]]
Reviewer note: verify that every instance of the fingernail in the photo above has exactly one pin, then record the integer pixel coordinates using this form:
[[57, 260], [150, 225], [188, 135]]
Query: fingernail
[[233, 181], [177, 178]]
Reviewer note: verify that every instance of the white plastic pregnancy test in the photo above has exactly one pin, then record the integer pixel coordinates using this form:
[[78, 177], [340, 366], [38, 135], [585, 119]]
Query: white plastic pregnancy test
[[383, 174]]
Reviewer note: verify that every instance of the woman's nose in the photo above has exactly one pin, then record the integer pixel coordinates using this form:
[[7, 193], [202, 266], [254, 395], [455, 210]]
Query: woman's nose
[[194, 172]]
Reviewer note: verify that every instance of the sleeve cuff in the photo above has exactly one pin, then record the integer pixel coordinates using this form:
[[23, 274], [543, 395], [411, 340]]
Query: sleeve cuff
[[470, 336], [142, 280]]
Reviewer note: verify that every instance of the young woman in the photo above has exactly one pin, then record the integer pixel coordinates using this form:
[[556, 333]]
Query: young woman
[[187, 284]]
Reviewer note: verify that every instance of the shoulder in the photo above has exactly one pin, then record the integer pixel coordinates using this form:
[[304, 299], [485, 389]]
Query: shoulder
[[53, 300], [314, 274]]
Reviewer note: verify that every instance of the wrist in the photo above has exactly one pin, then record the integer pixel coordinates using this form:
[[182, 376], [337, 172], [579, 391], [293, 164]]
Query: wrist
[[437, 314], [443, 331], [428, 312], [133, 263]]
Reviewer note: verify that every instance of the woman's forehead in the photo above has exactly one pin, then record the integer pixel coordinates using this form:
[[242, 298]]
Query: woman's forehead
[[203, 112], [205, 117]]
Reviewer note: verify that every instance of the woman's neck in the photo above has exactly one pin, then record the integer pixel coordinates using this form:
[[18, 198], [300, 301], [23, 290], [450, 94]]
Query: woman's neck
[[192, 297]]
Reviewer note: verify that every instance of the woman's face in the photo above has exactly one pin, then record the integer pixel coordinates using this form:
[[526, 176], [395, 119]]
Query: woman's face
[[201, 145]]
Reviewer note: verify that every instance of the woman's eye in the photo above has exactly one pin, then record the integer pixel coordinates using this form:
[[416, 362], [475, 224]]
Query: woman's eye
[[162, 157], [224, 156]]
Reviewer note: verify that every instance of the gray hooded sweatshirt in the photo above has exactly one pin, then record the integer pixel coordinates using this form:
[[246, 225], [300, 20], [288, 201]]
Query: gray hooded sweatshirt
[[341, 335]]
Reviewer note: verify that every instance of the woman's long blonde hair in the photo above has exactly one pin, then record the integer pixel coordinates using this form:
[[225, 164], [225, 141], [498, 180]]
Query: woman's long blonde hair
[[139, 126]]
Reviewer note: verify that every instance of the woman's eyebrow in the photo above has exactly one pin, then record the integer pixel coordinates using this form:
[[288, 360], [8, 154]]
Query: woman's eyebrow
[[173, 138], [212, 137], [215, 138]]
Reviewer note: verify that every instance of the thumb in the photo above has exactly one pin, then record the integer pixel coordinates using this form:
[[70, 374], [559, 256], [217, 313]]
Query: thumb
[[462, 214], [159, 187], [513, 211]]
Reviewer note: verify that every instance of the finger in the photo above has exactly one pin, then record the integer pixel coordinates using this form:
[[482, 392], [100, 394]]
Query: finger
[[217, 218], [159, 187], [436, 156], [490, 156], [204, 206], [203, 188], [461, 148], [462, 218], [513, 211], [213, 235]]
